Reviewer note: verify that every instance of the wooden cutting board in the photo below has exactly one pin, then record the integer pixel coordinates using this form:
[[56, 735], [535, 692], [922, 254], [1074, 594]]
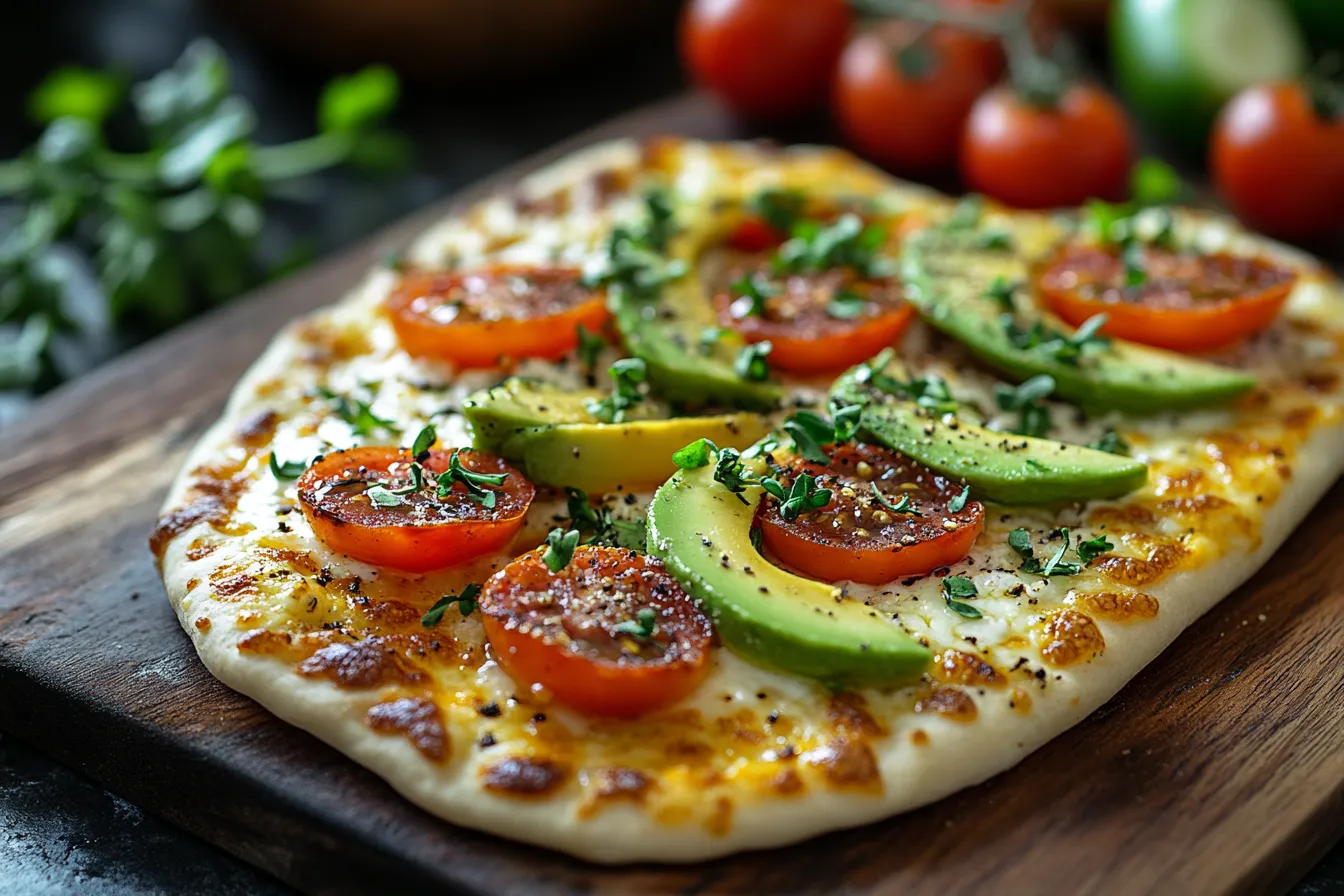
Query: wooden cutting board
[[1219, 769]]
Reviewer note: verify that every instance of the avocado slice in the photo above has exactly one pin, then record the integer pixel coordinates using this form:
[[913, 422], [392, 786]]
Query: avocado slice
[[1003, 467], [549, 432], [702, 533], [948, 277]]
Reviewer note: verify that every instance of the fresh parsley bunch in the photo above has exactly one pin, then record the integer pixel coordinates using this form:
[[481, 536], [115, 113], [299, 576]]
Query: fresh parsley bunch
[[172, 228]]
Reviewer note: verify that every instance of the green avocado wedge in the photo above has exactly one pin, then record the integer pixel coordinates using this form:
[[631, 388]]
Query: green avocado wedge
[[702, 533], [549, 432], [1002, 467], [949, 282]]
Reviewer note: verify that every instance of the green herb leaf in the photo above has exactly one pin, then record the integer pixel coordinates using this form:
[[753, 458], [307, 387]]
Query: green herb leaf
[[803, 496], [291, 469], [956, 590], [810, 431], [73, 92], [356, 103], [847, 242], [560, 545], [694, 455], [626, 375], [589, 348], [904, 505], [642, 627], [633, 535], [635, 264], [751, 291], [1154, 182], [1135, 262], [780, 209], [1002, 290], [730, 472], [1020, 541], [1111, 443], [751, 364], [381, 496], [355, 412], [1033, 417], [582, 515], [846, 305], [478, 485], [1057, 565], [1093, 548], [958, 503], [846, 423], [424, 440], [465, 602], [757, 539]]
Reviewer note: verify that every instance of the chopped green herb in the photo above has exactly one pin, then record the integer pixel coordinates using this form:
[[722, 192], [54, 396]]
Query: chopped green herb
[[1111, 443], [730, 472], [1093, 548], [382, 496], [633, 535], [478, 484], [803, 496], [1136, 266], [582, 515], [902, 506], [1056, 565], [926, 390], [635, 264], [355, 412], [290, 469], [757, 539], [847, 242], [1002, 290], [846, 305], [751, 291], [956, 590], [847, 420], [466, 602], [780, 209], [589, 348], [810, 432], [642, 627], [1154, 182], [1033, 417], [1055, 344], [424, 440], [958, 503], [626, 375], [560, 545], [751, 364], [1020, 541], [694, 455]]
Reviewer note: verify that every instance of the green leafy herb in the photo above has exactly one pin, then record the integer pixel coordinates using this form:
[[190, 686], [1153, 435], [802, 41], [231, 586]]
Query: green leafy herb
[[751, 364], [846, 422], [1020, 541], [424, 440], [604, 528], [757, 539], [633, 535], [780, 209], [381, 496], [626, 375], [956, 590], [694, 455], [1135, 262], [1002, 290], [590, 348], [560, 545], [1154, 182], [1111, 443], [478, 485], [290, 469], [810, 432], [958, 503], [730, 472], [1033, 416], [926, 390], [1093, 548], [642, 627], [902, 506], [169, 231], [846, 305], [635, 262], [466, 602], [847, 242], [803, 496], [751, 290], [582, 515], [1055, 344], [355, 412], [1056, 565]]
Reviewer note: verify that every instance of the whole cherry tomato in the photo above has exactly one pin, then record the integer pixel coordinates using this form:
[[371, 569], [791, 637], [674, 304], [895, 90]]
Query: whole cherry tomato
[[1047, 155], [1279, 162], [766, 58], [902, 95]]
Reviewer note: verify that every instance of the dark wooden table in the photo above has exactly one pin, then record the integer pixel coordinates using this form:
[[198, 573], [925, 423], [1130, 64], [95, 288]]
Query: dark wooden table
[[59, 832]]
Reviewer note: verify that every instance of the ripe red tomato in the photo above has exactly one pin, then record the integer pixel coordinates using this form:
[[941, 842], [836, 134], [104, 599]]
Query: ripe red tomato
[[1038, 157], [1279, 163], [766, 58], [909, 116]]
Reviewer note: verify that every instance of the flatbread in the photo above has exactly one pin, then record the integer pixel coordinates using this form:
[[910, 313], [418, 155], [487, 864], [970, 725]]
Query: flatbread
[[754, 758]]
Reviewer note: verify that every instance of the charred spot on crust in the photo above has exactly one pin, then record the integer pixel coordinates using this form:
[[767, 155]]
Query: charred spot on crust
[[846, 764], [1162, 558], [211, 498], [958, 667], [848, 714], [524, 776], [258, 430], [1118, 607], [953, 703], [1069, 637], [622, 783], [369, 663], [417, 719]]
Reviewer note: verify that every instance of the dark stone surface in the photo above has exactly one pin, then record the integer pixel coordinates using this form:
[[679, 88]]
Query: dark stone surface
[[60, 833]]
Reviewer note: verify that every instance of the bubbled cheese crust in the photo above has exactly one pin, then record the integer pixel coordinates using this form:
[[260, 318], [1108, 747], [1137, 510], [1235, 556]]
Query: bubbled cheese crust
[[754, 758]]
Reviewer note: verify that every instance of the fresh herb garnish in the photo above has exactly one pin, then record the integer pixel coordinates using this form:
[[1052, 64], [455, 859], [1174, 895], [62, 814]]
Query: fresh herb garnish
[[604, 528], [589, 348], [927, 390], [810, 432], [643, 626], [1033, 416], [1056, 565], [694, 455], [902, 506], [958, 503], [466, 602], [956, 590], [626, 375], [751, 364], [751, 291], [633, 535], [423, 441], [845, 305], [357, 413], [1020, 541], [730, 472], [635, 264], [478, 485], [780, 209], [1135, 263], [1002, 290], [803, 496], [560, 545], [847, 242], [1055, 344], [757, 539], [1093, 548], [1111, 443], [381, 496], [290, 469], [710, 336], [846, 421]]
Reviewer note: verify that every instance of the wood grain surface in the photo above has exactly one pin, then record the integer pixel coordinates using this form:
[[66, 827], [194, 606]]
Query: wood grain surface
[[1219, 769]]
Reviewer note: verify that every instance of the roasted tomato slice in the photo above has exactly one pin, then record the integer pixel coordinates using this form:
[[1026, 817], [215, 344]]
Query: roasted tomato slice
[[479, 318], [610, 634], [859, 536], [753, 234], [420, 531], [1185, 301]]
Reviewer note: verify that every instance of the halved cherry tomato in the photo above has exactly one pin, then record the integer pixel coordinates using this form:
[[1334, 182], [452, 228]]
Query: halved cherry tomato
[[476, 318], [902, 95], [1043, 157], [817, 322], [1187, 301], [859, 537], [421, 531], [752, 234], [768, 58], [610, 634]]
